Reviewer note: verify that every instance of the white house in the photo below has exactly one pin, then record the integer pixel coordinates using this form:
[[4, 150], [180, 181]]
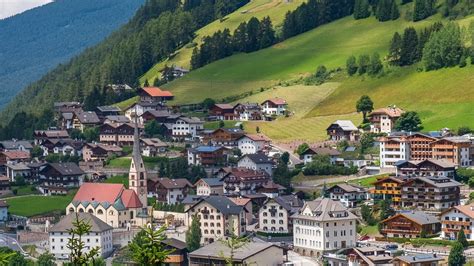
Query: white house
[[187, 128], [138, 109], [256, 161], [209, 186], [275, 106], [100, 236], [348, 194], [307, 156], [253, 143], [323, 225], [392, 150], [383, 120], [274, 215], [457, 218]]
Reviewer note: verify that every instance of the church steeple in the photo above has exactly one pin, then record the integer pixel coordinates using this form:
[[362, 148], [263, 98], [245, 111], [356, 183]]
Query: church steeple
[[137, 177]]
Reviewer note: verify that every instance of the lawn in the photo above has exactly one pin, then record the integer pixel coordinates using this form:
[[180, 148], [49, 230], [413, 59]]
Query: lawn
[[366, 182], [275, 9], [118, 179], [25, 190], [124, 162], [35, 205], [215, 124], [370, 230]]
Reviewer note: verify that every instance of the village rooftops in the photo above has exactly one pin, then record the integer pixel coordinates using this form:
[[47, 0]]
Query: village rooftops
[[212, 182], [419, 217], [15, 144], [437, 181], [244, 174], [67, 169], [468, 210], [206, 149], [173, 183], [191, 120], [156, 92], [87, 117], [154, 142], [256, 137], [322, 151], [58, 134], [418, 259], [276, 101], [222, 204], [258, 158], [325, 210], [456, 139], [109, 148], [345, 125], [16, 155], [440, 163], [106, 195], [349, 188], [66, 223], [390, 111], [224, 106], [217, 250], [108, 108], [117, 119]]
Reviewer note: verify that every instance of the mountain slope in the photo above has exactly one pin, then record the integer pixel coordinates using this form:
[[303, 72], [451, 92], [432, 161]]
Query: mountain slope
[[39, 39], [275, 9]]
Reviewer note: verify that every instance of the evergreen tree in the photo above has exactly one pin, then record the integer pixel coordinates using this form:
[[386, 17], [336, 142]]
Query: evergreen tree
[[419, 10], [266, 34], [383, 11], [394, 12], [253, 28], [146, 84], [461, 238], [364, 61], [456, 255], [409, 122], [239, 39], [46, 259], [147, 247], [409, 51], [76, 245], [444, 48], [361, 9], [196, 59], [289, 25], [394, 52], [193, 235], [351, 65], [375, 66]]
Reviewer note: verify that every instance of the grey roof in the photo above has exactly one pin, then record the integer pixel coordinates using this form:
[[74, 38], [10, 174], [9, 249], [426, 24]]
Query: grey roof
[[118, 118], [439, 182], [14, 144], [175, 243], [88, 117], [258, 158], [108, 108], [217, 249], [222, 204], [349, 187], [18, 166], [213, 182], [457, 139], [322, 151], [67, 168], [419, 258], [65, 223], [326, 210], [192, 199], [346, 125], [191, 120], [293, 200], [420, 217], [154, 142], [441, 163]]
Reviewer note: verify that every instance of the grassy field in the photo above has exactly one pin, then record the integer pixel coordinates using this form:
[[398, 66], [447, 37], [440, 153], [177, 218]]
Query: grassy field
[[370, 230], [215, 124], [275, 9], [25, 190], [35, 205], [124, 162], [118, 179]]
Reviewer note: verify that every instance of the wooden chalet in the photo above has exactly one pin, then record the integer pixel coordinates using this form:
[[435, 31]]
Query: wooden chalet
[[410, 224]]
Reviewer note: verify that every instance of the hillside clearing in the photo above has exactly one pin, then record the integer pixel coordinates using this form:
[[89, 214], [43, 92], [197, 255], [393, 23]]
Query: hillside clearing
[[276, 9], [35, 205]]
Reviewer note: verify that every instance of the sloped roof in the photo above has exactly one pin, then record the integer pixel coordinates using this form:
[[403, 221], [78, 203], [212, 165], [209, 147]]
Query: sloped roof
[[390, 111], [15, 144], [348, 187], [258, 158], [247, 174], [240, 201], [468, 210], [108, 108], [111, 148], [67, 169], [157, 92], [118, 118], [175, 243], [99, 192], [206, 149], [346, 125], [65, 224], [216, 249], [224, 105], [441, 163], [174, 183], [326, 210], [322, 151], [53, 133], [256, 137], [437, 182], [276, 101], [16, 154], [154, 142], [130, 199], [419, 217], [212, 182], [221, 203], [87, 117], [418, 258]]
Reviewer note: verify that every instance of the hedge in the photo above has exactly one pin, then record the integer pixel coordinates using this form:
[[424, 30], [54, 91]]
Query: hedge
[[421, 241]]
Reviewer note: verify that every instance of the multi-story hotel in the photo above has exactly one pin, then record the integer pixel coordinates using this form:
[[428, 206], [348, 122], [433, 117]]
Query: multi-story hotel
[[456, 219], [389, 188], [392, 150]]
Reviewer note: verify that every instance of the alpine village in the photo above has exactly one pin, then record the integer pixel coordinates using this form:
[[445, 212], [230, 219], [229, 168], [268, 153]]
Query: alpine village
[[237, 132]]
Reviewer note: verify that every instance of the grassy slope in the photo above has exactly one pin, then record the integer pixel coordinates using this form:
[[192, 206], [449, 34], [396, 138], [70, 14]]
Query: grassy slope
[[35, 205], [276, 9]]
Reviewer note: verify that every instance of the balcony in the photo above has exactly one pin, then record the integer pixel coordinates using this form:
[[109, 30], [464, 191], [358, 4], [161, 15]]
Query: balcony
[[400, 231], [464, 223], [454, 230]]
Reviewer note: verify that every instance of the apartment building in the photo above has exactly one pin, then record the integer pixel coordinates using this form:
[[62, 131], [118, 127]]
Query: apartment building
[[242, 181], [420, 146], [274, 215], [458, 218], [428, 167], [348, 194], [392, 150], [388, 188], [453, 149], [323, 225], [209, 186], [253, 143], [432, 194]]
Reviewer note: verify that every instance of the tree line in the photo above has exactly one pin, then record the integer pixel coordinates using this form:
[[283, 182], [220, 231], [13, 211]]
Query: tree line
[[248, 37]]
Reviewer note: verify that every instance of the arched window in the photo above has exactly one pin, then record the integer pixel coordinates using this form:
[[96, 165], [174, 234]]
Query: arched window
[[71, 209], [91, 211], [206, 231], [100, 212], [81, 210], [111, 212]]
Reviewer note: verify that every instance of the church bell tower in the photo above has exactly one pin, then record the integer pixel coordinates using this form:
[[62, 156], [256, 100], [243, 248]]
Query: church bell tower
[[137, 176]]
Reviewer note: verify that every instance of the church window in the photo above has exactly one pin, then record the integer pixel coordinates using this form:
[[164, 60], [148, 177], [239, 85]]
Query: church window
[[111, 212], [71, 209], [142, 176], [100, 212], [91, 211], [81, 210]]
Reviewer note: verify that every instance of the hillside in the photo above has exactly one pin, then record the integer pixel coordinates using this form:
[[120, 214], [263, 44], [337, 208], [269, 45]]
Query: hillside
[[275, 9], [37, 40]]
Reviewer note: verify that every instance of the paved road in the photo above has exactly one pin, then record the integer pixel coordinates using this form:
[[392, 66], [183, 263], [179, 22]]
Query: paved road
[[299, 260], [10, 242]]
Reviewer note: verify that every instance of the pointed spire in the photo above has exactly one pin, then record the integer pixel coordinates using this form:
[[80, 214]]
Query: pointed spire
[[136, 139]]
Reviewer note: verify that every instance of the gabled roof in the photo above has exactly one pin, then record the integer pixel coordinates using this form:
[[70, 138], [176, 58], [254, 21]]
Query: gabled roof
[[15, 144], [258, 158], [66, 223], [87, 117], [326, 210], [130, 199], [240, 201], [276, 101], [175, 243], [245, 174], [224, 106], [390, 111], [468, 210], [15, 155], [154, 142], [390, 178], [419, 217], [440, 163], [118, 118], [418, 258], [52, 133], [191, 120], [105, 147], [67, 169], [99, 192], [205, 149], [216, 249], [255, 137], [212, 182], [436, 181], [348, 187], [108, 108], [173, 183], [322, 151], [156, 92], [345, 125], [222, 204], [455, 139]]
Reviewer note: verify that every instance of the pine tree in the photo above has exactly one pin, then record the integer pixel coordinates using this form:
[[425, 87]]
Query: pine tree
[[375, 66], [394, 53], [423, 9], [289, 25], [196, 59], [239, 38], [266, 34], [351, 65], [253, 28], [461, 238], [409, 52], [456, 255], [193, 235], [361, 9], [394, 13], [384, 10]]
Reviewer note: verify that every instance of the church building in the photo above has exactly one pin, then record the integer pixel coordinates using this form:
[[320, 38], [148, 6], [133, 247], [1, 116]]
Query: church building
[[114, 204]]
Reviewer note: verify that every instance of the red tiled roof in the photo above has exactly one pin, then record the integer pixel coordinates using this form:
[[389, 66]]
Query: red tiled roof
[[276, 101], [99, 192], [17, 154], [240, 201], [257, 137], [130, 199], [157, 92], [390, 111]]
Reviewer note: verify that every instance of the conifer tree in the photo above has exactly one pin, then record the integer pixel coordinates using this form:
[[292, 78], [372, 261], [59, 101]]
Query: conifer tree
[[253, 28], [364, 61], [193, 235], [266, 34], [361, 9], [351, 65], [394, 13], [409, 52], [375, 66], [394, 52], [239, 38]]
